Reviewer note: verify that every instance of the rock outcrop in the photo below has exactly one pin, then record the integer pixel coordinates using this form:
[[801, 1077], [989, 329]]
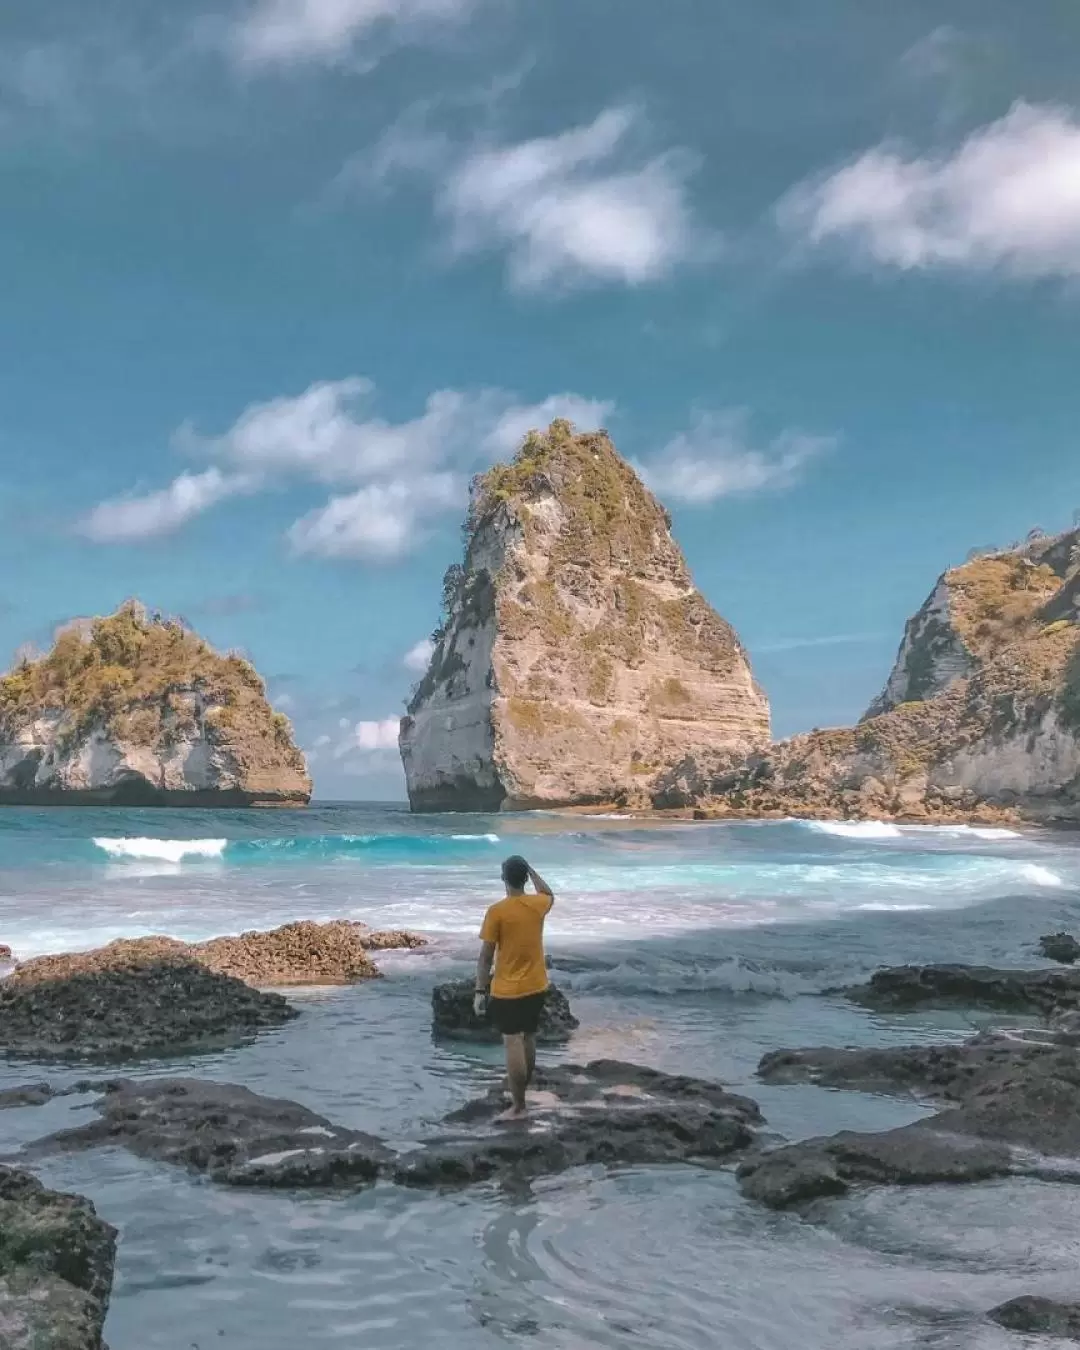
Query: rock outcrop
[[605, 1113], [136, 710], [576, 661], [1009, 1106], [980, 717], [452, 1016], [126, 1001], [56, 1267], [1039, 1317], [229, 1134], [906, 988], [1060, 947]]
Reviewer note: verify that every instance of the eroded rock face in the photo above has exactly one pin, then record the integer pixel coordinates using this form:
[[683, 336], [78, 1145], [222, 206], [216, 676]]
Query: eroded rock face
[[1009, 1104], [603, 1112], [577, 661], [228, 1133], [301, 953], [452, 1016], [56, 1267], [137, 711], [980, 719], [902, 988], [128, 1000]]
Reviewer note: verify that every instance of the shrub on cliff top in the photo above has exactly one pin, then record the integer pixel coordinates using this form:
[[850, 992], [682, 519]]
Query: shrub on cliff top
[[132, 663]]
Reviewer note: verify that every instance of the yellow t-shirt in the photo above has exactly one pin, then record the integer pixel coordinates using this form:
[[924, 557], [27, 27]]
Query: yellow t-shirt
[[516, 928]]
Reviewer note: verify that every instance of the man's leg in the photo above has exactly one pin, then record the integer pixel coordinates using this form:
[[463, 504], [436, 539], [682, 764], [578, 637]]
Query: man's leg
[[530, 1057], [517, 1074]]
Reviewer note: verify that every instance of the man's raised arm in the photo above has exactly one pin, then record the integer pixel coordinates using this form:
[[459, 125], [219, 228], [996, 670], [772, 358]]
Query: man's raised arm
[[541, 885]]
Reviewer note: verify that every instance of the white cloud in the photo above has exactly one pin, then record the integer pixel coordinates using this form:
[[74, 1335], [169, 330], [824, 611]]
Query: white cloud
[[289, 32], [715, 459], [128, 519], [417, 658], [368, 737], [402, 475], [378, 522], [586, 206], [575, 207], [1008, 198]]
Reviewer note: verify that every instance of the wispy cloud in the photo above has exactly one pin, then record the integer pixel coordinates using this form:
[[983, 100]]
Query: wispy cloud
[[716, 458], [368, 737], [588, 206], [827, 640], [1007, 199], [329, 32], [125, 520], [400, 477]]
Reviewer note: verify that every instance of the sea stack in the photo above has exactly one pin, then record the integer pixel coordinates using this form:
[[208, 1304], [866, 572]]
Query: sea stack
[[979, 719], [576, 661], [137, 710]]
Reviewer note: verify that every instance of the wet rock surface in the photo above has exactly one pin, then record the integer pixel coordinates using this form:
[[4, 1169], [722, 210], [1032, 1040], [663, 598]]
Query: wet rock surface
[[1010, 1105], [1061, 947], [228, 1133], [27, 1094], [128, 1000], [56, 1267], [1039, 1316], [605, 1112], [903, 988], [452, 1016]]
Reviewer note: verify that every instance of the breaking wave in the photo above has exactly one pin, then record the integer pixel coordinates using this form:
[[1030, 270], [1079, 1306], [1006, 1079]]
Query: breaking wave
[[402, 848], [885, 829], [679, 974]]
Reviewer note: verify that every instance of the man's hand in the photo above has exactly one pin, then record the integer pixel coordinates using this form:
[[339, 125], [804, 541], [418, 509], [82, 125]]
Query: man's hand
[[480, 1004]]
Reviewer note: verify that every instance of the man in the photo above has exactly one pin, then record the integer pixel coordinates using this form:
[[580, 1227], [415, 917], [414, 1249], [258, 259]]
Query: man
[[513, 937]]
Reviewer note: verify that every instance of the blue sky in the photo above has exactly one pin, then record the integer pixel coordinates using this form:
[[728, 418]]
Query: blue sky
[[277, 275]]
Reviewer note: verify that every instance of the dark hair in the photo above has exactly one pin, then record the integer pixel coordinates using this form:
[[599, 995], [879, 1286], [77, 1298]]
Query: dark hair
[[515, 872]]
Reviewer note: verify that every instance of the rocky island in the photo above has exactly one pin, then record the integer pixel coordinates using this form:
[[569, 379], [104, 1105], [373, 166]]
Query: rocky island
[[137, 710], [979, 718], [576, 661]]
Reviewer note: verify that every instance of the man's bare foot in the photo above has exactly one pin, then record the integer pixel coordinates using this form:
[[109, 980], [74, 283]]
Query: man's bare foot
[[514, 1113]]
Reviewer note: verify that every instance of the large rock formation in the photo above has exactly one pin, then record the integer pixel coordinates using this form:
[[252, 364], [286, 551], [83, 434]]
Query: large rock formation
[[980, 716], [136, 710], [576, 660]]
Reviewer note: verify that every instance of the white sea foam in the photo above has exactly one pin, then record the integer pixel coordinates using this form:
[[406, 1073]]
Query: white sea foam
[[1039, 875], [855, 829], [676, 974], [487, 838], [163, 850]]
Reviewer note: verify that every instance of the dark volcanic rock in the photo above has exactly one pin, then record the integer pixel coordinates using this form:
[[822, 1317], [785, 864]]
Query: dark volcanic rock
[[127, 1000], [228, 1133], [56, 1267], [910, 1156], [452, 1015], [1039, 1316], [901, 988], [1008, 1103], [604, 1112], [1061, 947], [29, 1094]]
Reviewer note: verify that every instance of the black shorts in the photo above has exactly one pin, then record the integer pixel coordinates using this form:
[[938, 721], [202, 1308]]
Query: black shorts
[[512, 1016]]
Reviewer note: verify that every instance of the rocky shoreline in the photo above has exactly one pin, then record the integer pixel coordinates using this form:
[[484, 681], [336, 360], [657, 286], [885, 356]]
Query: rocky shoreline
[[1004, 1103]]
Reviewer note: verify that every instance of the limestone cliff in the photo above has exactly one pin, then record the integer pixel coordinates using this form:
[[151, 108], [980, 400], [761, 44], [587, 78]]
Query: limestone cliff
[[139, 711], [981, 713], [576, 661]]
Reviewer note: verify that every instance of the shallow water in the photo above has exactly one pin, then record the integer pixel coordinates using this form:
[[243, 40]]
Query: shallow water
[[691, 948]]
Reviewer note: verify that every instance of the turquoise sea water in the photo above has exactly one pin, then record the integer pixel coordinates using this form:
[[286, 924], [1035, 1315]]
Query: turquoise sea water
[[695, 948]]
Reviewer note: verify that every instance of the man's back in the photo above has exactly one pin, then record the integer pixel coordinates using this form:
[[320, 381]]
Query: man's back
[[515, 926]]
